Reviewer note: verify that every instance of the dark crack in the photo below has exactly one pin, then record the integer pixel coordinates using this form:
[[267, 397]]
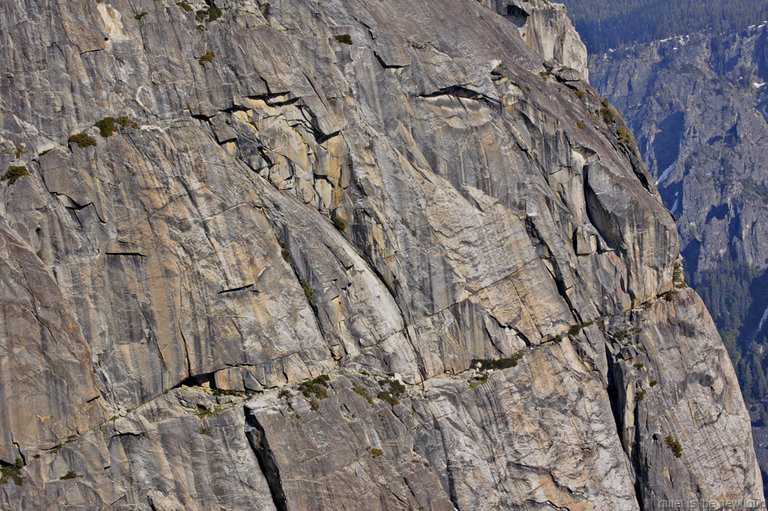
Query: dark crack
[[459, 91], [257, 437], [235, 289]]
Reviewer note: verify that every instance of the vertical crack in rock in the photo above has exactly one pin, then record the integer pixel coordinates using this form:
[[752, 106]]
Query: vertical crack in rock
[[614, 393], [617, 398], [258, 439]]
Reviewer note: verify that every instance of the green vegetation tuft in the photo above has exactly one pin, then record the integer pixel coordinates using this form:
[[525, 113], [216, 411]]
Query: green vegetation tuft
[[108, 126], [308, 292], [392, 390], [343, 38], [339, 223], [12, 472], [678, 274], [284, 250], [185, 6], [13, 173], [232, 393], [360, 391], [17, 150], [210, 14], [82, 140], [207, 58], [140, 15], [607, 113], [214, 13], [502, 363], [69, 475], [374, 451], [625, 137], [203, 413], [316, 387], [620, 335], [126, 122], [674, 446]]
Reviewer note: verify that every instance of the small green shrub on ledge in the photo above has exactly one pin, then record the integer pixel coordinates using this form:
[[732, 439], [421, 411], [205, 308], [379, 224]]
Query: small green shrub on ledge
[[316, 387], [674, 446], [207, 58], [502, 363], [391, 396], [343, 38], [607, 113], [13, 174], [339, 223], [12, 472], [211, 12], [360, 391], [625, 137], [82, 140], [574, 330], [109, 125], [375, 452]]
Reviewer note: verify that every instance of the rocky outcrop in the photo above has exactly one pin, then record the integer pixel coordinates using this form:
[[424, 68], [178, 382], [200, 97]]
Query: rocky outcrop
[[698, 107], [304, 256], [546, 29]]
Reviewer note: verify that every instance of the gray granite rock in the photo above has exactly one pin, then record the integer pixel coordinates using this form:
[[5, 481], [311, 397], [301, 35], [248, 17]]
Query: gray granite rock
[[381, 192]]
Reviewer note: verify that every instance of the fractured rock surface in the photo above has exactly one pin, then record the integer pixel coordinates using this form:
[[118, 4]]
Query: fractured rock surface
[[379, 192]]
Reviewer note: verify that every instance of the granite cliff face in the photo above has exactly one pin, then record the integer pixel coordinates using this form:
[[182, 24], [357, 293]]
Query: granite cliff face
[[698, 105], [338, 255]]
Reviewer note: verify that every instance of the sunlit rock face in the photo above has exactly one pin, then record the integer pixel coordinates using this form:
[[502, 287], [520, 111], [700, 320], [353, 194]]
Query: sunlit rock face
[[338, 255]]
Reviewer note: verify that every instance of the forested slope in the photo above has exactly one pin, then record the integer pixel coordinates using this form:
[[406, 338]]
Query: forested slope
[[605, 24]]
